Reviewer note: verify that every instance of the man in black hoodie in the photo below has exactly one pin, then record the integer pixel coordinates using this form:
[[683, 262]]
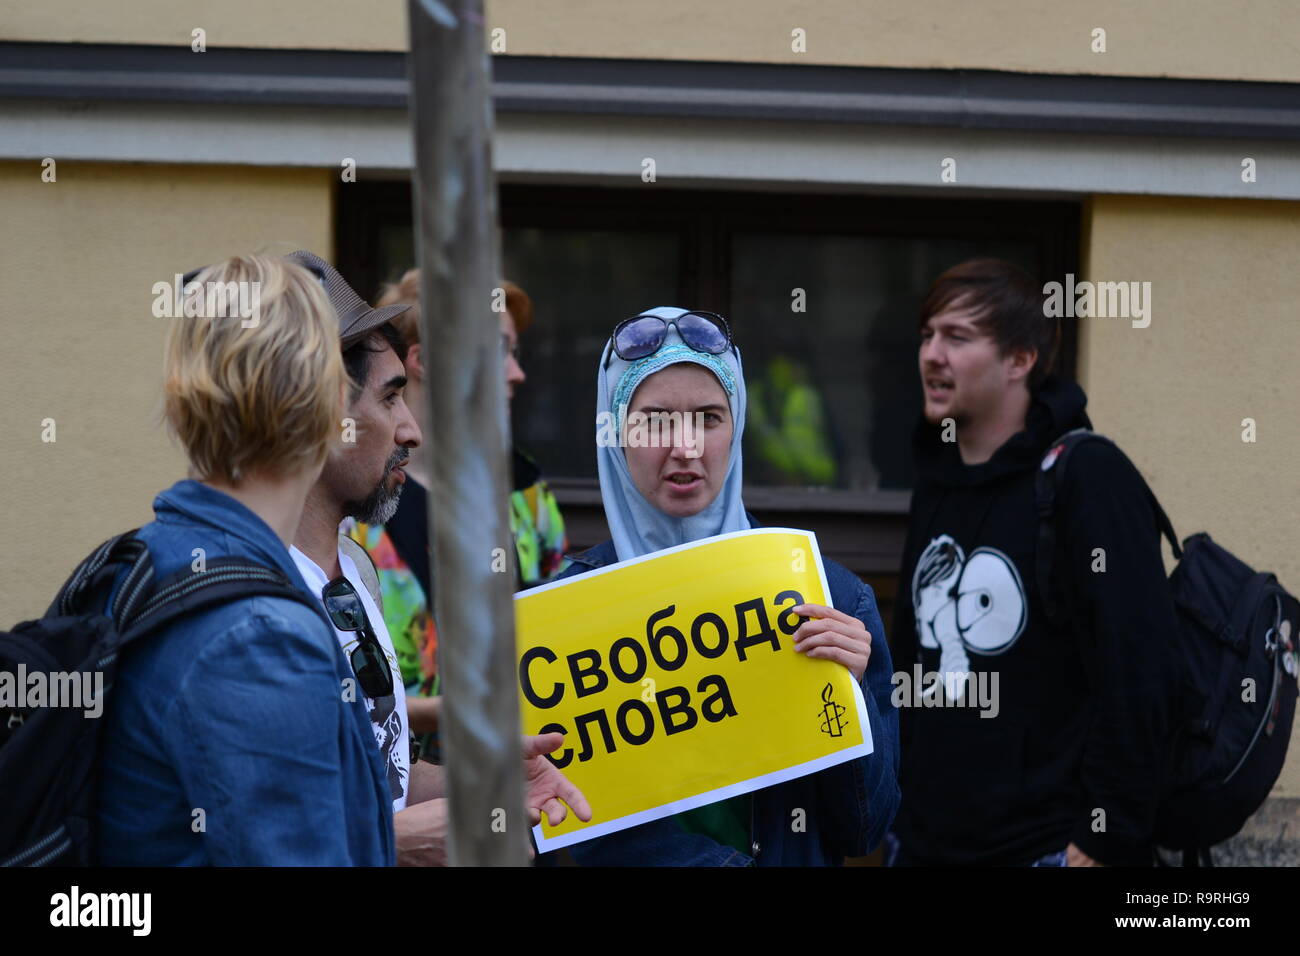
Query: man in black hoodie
[[1030, 737]]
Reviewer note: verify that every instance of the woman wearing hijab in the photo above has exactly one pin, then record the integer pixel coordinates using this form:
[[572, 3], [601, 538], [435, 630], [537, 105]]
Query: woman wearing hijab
[[671, 360]]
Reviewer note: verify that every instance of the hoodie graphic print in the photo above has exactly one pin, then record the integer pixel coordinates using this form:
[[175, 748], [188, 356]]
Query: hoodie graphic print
[[965, 603]]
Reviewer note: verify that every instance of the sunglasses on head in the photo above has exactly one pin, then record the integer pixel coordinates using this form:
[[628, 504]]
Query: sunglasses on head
[[347, 613], [644, 335]]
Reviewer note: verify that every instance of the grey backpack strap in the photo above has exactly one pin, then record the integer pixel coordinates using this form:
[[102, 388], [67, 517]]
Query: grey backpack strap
[[365, 567]]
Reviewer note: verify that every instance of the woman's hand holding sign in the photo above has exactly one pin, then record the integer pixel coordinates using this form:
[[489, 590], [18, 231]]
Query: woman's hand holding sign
[[834, 636]]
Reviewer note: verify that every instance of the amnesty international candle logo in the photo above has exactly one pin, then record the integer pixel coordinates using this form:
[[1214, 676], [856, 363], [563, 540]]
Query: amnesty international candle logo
[[675, 680], [833, 722]]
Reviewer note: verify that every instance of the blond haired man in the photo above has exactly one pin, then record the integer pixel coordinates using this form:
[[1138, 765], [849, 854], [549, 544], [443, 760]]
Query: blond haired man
[[230, 739]]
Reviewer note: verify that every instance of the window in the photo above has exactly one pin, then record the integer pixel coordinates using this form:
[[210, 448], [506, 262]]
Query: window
[[822, 292]]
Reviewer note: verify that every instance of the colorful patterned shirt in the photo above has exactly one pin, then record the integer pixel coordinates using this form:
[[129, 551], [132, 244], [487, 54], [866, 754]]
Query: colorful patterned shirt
[[400, 553], [404, 577]]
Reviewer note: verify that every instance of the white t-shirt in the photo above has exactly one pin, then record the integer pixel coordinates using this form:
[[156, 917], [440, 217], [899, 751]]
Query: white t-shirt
[[388, 714]]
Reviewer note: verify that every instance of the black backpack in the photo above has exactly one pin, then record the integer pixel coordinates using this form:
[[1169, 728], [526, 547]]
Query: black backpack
[[48, 754], [1236, 626]]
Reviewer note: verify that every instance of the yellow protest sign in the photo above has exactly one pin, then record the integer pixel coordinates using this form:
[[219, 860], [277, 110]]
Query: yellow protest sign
[[675, 681]]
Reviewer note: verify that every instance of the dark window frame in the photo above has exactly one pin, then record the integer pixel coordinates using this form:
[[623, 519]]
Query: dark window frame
[[863, 529]]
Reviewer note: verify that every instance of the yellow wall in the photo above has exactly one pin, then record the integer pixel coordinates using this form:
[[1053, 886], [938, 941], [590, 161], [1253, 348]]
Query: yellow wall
[[1246, 39], [81, 345], [1222, 346]]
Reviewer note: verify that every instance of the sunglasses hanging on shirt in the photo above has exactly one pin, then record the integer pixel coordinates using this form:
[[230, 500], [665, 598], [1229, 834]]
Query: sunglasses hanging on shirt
[[347, 613]]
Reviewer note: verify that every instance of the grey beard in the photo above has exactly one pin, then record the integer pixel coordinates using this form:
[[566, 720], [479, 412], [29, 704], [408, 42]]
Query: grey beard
[[379, 507], [381, 504]]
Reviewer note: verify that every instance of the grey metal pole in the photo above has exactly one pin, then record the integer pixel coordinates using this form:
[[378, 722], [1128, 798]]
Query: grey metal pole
[[468, 439]]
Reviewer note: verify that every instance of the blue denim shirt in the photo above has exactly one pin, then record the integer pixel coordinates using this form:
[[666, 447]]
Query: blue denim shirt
[[847, 808], [237, 712]]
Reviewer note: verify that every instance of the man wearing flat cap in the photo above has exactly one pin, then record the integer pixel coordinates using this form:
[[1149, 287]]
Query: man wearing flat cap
[[363, 479]]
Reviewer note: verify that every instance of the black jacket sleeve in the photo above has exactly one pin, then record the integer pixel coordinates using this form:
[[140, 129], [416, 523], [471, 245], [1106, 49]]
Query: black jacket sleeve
[[1121, 608]]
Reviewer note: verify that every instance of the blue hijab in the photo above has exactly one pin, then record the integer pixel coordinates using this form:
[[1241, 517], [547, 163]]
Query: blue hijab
[[637, 526]]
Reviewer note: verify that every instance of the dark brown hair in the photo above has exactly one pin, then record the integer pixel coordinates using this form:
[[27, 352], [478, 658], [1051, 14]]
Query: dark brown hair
[[1007, 304], [357, 357]]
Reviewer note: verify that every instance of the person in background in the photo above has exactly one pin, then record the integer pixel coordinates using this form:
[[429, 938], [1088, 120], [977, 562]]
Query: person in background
[[400, 547], [788, 426], [1069, 771], [535, 519]]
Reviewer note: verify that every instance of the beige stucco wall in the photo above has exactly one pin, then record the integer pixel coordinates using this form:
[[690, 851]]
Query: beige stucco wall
[[82, 347], [1244, 39], [1222, 346]]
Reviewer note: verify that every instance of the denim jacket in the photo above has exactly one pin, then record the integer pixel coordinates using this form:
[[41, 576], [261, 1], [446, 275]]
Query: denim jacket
[[847, 808], [227, 738]]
